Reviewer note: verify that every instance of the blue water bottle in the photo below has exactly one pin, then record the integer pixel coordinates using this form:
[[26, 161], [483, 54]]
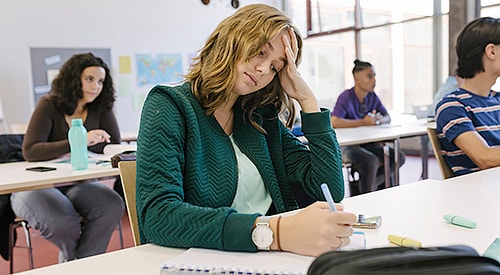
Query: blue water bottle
[[77, 137]]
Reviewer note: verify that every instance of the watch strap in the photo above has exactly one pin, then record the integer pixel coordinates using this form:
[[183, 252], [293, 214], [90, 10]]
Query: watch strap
[[263, 225], [263, 221]]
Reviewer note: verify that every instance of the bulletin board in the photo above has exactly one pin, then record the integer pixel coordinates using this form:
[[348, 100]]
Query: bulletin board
[[46, 62]]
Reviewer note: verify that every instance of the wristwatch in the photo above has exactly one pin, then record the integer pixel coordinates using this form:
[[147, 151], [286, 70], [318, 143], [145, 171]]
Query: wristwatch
[[262, 234]]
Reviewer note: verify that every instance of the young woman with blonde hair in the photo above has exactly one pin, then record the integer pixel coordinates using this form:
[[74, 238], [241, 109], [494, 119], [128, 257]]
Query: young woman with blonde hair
[[214, 157]]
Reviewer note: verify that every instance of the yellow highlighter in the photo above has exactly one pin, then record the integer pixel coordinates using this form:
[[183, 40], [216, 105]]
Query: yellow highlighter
[[404, 241]]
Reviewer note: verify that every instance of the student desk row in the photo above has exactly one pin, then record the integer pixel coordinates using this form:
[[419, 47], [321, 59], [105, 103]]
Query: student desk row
[[387, 133], [412, 210], [16, 178]]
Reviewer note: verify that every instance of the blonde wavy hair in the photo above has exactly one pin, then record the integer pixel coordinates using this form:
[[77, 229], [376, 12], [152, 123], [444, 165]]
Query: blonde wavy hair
[[237, 38]]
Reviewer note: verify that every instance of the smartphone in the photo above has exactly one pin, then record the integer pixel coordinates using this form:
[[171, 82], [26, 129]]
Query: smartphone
[[41, 168], [368, 223]]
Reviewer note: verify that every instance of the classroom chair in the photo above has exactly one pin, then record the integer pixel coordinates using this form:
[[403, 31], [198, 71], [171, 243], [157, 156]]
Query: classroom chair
[[436, 148], [352, 177], [12, 242], [11, 151], [128, 177]]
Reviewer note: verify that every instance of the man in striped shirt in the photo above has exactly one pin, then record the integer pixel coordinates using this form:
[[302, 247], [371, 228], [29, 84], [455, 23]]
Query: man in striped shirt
[[468, 119]]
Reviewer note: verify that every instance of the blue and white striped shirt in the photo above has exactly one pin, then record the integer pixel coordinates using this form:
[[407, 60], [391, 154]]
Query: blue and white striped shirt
[[459, 112]]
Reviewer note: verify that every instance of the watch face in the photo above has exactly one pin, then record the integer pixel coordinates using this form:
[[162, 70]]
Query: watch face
[[262, 236]]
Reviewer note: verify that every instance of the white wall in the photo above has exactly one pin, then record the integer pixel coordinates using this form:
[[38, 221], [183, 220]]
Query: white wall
[[126, 27]]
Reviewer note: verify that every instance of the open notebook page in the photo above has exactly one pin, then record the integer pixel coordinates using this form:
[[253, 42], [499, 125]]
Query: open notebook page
[[208, 261]]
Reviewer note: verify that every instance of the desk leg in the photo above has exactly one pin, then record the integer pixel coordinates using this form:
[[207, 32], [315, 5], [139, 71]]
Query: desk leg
[[424, 154], [387, 166], [396, 162]]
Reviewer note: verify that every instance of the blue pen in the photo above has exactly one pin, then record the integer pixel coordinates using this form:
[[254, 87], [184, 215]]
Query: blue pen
[[328, 196]]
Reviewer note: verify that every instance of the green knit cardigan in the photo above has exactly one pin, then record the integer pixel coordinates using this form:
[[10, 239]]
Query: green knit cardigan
[[187, 170]]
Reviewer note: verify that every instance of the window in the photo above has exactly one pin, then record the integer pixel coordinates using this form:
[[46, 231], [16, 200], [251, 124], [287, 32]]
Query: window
[[395, 36], [325, 62], [378, 12]]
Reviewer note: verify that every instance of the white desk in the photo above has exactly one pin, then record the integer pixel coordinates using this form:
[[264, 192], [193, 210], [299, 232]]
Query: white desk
[[387, 133], [416, 210], [141, 260], [14, 177], [413, 210]]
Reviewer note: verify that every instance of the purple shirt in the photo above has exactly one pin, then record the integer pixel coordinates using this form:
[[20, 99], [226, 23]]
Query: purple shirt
[[349, 107]]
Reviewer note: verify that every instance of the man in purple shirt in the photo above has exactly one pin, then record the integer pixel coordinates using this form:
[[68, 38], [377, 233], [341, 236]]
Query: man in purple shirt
[[360, 106]]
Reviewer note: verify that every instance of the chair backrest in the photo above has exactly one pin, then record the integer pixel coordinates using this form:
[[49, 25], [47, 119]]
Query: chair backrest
[[128, 176], [11, 148], [436, 147]]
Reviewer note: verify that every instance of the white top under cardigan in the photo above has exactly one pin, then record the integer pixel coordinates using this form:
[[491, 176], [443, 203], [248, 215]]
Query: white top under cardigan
[[251, 193]]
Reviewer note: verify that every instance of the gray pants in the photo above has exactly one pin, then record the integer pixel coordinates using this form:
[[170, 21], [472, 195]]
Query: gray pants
[[79, 219]]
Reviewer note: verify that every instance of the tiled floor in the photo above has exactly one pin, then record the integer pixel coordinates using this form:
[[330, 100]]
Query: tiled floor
[[46, 253]]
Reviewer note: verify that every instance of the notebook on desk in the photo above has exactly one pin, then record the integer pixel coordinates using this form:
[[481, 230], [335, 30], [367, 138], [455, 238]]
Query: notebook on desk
[[208, 261]]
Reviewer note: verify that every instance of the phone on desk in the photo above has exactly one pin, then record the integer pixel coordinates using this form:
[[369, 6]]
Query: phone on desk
[[41, 168], [368, 222]]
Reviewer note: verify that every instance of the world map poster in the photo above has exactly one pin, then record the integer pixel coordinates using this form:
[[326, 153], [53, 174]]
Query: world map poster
[[158, 69]]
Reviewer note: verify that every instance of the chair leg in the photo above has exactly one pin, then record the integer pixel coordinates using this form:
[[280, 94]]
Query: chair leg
[[12, 228], [120, 232], [353, 179], [29, 245], [346, 169]]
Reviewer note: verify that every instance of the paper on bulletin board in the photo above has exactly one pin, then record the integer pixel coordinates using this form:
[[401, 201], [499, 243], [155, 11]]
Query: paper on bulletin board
[[51, 75], [123, 86], [52, 60], [42, 89], [125, 66]]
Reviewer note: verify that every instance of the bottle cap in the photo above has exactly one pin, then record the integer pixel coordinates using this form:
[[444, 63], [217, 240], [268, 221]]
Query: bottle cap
[[76, 122], [459, 220]]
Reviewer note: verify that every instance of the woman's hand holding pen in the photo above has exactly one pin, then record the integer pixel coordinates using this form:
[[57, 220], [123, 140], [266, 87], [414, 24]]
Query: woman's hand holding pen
[[316, 229], [97, 136], [291, 81]]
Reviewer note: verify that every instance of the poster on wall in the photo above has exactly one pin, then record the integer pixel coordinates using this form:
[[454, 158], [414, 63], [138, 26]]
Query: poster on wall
[[46, 62], [158, 69]]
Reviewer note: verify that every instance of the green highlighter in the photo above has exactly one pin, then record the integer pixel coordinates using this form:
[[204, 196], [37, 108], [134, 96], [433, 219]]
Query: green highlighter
[[459, 220]]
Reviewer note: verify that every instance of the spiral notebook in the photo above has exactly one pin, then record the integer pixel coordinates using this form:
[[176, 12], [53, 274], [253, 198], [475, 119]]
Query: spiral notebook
[[208, 261]]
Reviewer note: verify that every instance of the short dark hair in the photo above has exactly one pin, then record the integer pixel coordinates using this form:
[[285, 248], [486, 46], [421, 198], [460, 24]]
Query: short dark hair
[[471, 42], [360, 65], [67, 86]]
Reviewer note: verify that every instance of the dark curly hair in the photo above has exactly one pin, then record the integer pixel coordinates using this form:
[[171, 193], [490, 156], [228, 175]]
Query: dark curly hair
[[67, 86]]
